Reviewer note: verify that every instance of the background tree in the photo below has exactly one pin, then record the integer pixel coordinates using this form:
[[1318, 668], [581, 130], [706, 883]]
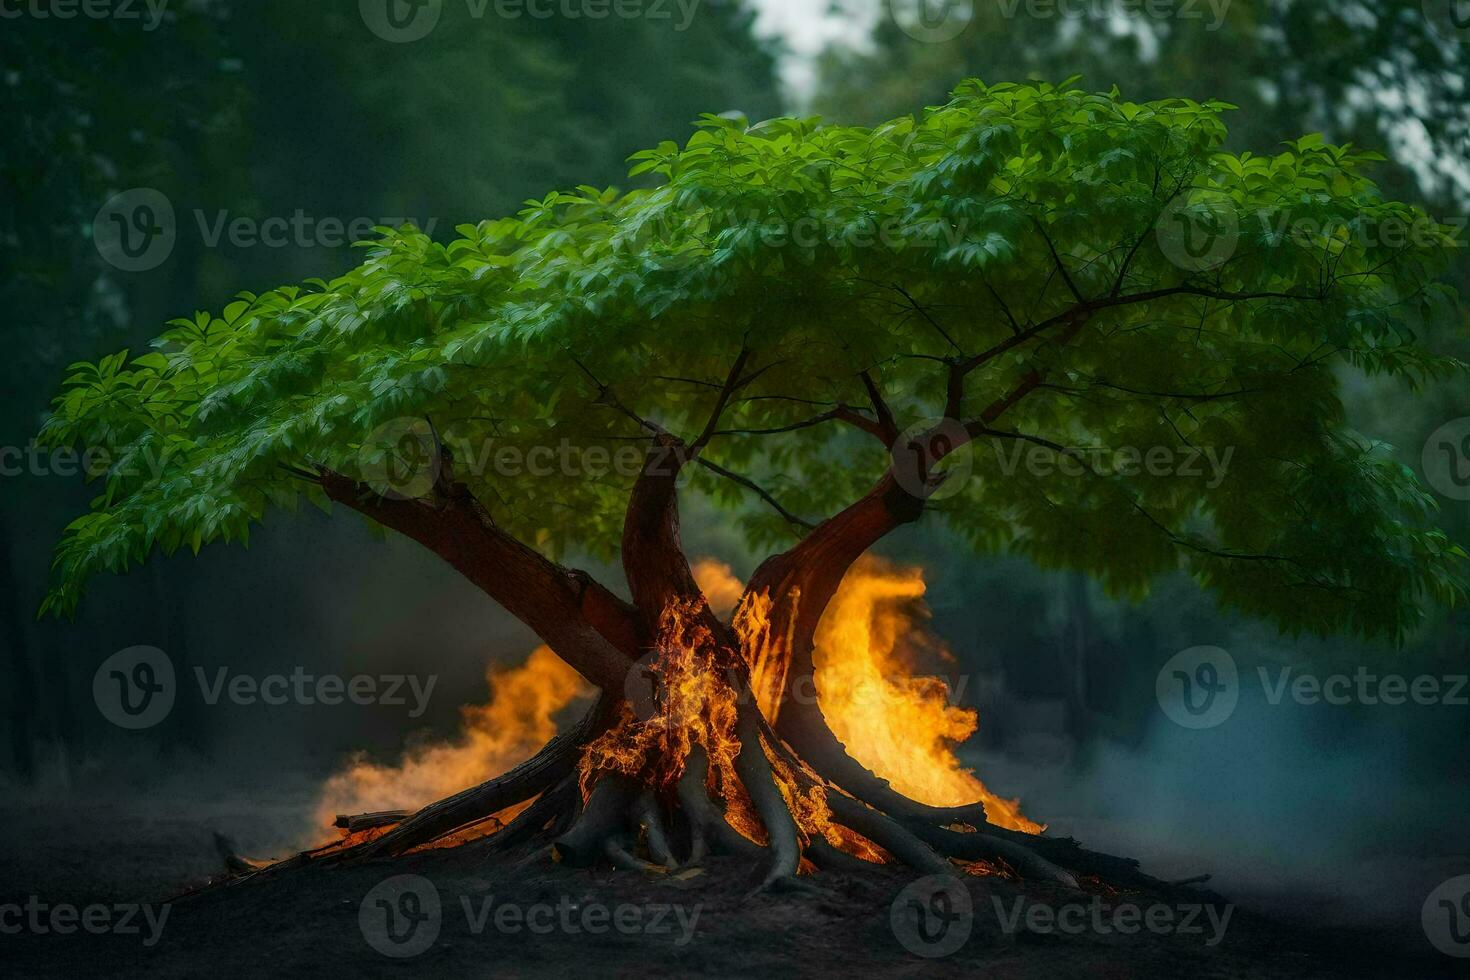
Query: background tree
[[785, 316]]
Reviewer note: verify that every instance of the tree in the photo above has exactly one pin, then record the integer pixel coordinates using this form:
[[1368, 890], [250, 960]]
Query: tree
[[932, 317]]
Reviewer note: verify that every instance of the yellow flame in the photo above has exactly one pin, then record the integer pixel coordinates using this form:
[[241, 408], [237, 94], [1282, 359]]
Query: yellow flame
[[901, 726]]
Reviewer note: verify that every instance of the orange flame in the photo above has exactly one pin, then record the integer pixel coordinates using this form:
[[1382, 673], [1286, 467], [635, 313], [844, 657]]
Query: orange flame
[[901, 726], [897, 724], [494, 737]]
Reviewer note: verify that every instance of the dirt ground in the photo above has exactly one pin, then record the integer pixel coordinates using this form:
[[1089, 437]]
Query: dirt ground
[[540, 919]]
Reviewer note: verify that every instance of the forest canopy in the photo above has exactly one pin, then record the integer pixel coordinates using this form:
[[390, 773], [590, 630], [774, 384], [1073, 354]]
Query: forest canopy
[[1027, 267]]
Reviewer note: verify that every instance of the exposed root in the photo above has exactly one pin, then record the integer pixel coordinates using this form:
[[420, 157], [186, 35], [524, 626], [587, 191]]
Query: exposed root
[[624, 860], [888, 834], [830, 858], [601, 819], [985, 847], [650, 820], [755, 773], [702, 812]]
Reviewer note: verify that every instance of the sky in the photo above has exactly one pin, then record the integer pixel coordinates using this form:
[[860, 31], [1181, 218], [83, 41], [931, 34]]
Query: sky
[[806, 27]]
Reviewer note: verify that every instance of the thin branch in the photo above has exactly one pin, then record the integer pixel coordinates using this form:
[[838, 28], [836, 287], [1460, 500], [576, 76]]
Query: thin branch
[[1061, 266], [887, 427], [756, 489], [914, 304], [732, 383]]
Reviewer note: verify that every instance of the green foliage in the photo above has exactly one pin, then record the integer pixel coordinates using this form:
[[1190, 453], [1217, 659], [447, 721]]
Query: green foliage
[[1013, 227]]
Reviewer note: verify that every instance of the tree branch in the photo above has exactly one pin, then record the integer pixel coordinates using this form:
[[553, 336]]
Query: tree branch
[[582, 622], [758, 490]]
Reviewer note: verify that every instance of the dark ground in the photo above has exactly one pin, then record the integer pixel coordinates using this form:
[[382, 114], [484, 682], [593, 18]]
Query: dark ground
[[307, 923]]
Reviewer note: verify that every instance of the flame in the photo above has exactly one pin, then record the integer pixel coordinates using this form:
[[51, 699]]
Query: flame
[[719, 584], [901, 726], [494, 737], [897, 724]]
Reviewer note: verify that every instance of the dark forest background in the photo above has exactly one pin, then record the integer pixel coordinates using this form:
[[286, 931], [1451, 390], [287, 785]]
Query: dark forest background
[[267, 108]]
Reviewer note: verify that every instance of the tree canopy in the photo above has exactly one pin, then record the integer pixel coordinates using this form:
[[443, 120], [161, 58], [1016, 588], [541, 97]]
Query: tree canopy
[[1060, 274]]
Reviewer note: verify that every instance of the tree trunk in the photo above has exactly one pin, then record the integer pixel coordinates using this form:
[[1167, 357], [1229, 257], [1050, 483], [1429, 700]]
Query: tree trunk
[[699, 768]]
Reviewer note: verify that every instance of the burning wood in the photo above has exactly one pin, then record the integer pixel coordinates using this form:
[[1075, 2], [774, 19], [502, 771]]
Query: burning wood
[[367, 821]]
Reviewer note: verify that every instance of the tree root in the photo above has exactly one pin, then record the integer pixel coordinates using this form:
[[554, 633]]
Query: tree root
[[706, 820], [754, 770]]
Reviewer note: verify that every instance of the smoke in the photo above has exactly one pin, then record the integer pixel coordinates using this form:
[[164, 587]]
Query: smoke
[[1330, 815]]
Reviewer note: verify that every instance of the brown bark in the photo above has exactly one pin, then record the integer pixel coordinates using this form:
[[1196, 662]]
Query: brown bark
[[565, 609], [600, 635]]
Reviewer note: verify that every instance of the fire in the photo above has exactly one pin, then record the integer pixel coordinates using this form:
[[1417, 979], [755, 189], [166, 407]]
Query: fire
[[901, 726], [512, 727]]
